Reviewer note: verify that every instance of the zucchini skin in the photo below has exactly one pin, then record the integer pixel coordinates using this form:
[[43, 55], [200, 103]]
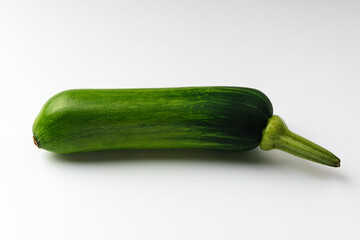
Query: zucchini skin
[[215, 118]]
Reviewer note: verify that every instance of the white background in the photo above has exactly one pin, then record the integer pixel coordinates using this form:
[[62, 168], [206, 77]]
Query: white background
[[305, 55]]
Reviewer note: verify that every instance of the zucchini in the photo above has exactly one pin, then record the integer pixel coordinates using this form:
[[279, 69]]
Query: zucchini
[[215, 118]]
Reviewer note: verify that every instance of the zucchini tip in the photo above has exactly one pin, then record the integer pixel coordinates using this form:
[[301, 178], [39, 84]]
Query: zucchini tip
[[338, 163], [35, 142]]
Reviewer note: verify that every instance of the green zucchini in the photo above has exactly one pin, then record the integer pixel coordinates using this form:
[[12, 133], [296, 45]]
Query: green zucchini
[[215, 118]]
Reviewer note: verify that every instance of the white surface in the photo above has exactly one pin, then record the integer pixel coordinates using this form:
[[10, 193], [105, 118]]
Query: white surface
[[304, 55]]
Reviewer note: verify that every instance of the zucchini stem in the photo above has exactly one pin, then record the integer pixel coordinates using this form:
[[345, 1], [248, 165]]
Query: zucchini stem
[[276, 135]]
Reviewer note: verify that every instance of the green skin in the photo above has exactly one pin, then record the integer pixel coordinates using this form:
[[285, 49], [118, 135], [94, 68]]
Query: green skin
[[220, 118], [216, 118]]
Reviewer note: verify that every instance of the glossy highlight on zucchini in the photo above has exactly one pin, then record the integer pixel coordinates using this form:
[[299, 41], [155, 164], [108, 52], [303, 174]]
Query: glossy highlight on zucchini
[[215, 118]]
